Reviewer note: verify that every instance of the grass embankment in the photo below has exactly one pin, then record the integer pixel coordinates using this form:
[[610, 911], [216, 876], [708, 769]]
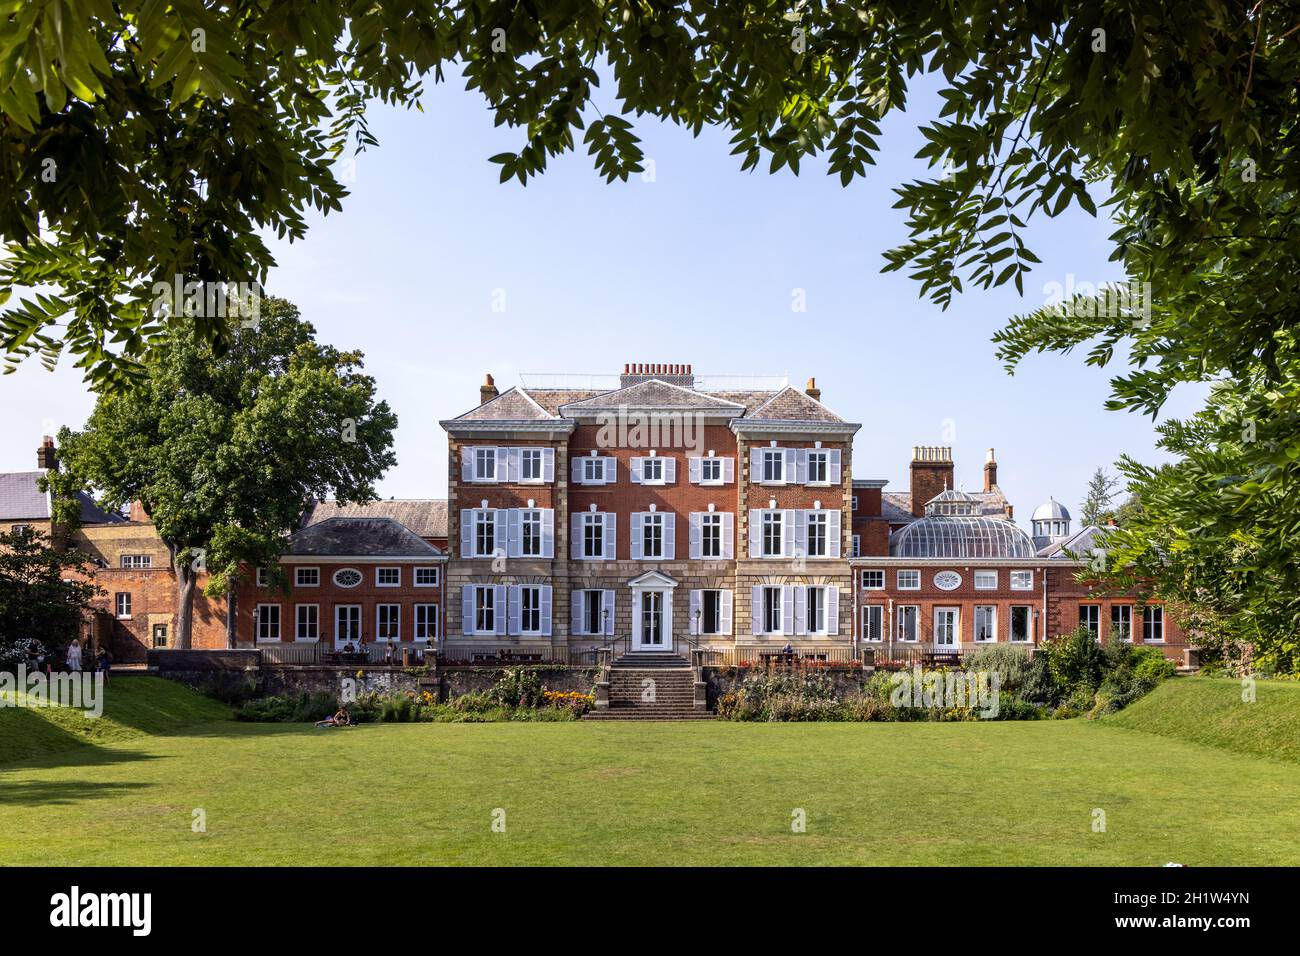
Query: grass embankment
[[134, 707], [1212, 711]]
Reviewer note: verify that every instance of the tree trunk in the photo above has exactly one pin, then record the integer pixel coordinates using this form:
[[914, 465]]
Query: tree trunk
[[185, 579], [232, 617]]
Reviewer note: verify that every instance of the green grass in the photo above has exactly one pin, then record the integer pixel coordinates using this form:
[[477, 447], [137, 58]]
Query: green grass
[[133, 707], [1211, 711], [666, 793]]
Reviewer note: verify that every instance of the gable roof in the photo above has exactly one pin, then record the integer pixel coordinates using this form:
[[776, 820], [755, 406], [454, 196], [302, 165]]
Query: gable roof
[[359, 538], [22, 499], [792, 405], [654, 394], [1080, 544], [426, 517], [512, 405]]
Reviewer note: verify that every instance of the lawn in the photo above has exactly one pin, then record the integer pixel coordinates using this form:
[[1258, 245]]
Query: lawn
[[665, 793]]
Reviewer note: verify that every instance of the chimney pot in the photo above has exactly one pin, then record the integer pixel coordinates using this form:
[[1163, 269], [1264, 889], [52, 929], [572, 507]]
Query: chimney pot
[[46, 457], [488, 390], [812, 391]]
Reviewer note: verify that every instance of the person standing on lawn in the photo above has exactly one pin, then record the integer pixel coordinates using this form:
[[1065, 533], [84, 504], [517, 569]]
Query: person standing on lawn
[[74, 657]]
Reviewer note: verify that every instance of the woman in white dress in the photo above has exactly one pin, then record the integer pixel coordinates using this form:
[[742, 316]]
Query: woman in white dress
[[74, 656]]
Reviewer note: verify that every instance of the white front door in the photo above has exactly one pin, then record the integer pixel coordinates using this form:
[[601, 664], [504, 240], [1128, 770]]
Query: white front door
[[945, 626], [652, 629], [347, 625]]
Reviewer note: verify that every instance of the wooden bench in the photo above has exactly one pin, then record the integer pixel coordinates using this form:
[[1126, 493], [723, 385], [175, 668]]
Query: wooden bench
[[941, 659]]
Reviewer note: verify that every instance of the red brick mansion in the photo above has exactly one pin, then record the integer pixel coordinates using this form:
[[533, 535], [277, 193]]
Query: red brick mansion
[[658, 512]]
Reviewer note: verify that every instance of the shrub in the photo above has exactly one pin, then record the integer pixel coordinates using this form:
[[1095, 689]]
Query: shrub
[[397, 709], [517, 687], [1075, 661], [1012, 665], [233, 689], [302, 708], [1152, 665]]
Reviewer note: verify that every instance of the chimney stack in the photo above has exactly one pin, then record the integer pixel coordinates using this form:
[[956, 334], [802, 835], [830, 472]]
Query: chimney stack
[[812, 391], [46, 457], [990, 471], [931, 475], [487, 391]]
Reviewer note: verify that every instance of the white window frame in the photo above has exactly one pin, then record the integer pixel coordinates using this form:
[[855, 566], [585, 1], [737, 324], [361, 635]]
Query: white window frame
[[857, 545], [908, 587], [821, 518], [588, 463], [481, 517], [481, 606], [710, 462], [298, 622], [881, 579], [262, 623], [777, 455], [590, 520], [983, 575], [1149, 623], [771, 519], [430, 569], [484, 453], [527, 453], [653, 519], [430, 623], [379, 609], [1029, 624], [1094, 611], [535, 517], [710, 520], [825, 627], [380, 583], [599, 599], [541, 625], [1026, 579], [134, 562], [778, 609], [118, 605], [263, 579], [993, 614], [653, 463], [824, 457], [1114, 608], [298, 582], [899, 617], [717, 631], [865, 630]]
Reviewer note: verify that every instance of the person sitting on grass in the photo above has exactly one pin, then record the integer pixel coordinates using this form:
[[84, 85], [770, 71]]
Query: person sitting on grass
[[341, 718]]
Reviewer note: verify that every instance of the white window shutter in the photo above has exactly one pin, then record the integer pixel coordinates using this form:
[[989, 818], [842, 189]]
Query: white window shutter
[[548, 532], [791, 471], [576, 602], [503, 464], [467, 463], [727, 612], [788, 532], [575, 471], [610, 471], [548, 465], [546, 609], [516, 606], [756, 466], [514, 534], [728, 470], [501, 532], [694, 613], [636, 535], [607, 605], [833, 533], [467, 532], [576, 543], [755, 533], [693, 535], [670, 471], [756, 609], [801, 466], [467, 609], [728, 536], [801, 610], [501, 604], [800, 532], [636, 471], [833, 471], [832, 610], [670, 537], [787, 609], [611, 536], [694, 468], [513, 472]]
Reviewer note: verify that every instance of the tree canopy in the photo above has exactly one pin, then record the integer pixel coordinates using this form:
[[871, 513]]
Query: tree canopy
[[225, 451], [40, 605]]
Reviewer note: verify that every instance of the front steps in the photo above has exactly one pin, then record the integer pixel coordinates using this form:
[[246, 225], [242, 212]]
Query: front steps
[[651, 687]]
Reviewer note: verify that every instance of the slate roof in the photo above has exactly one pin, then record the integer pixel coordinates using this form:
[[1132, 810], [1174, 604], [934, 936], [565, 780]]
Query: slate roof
[[654, 394], [1080, 544], [897, 505], [792, 405], [512, 405], [359, 538], [426, 517], [21, 498]]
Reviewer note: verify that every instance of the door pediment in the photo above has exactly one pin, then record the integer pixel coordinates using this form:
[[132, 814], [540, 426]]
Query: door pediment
[[651, 579]]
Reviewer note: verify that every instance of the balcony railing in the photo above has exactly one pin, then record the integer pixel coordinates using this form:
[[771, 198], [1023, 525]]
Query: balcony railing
[[322, 652]]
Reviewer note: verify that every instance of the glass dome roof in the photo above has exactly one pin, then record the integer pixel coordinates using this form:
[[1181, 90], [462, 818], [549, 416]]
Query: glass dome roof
[[960, 537]]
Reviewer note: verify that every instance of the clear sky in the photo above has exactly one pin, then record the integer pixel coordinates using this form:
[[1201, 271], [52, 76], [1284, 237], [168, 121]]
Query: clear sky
[[698, 266]]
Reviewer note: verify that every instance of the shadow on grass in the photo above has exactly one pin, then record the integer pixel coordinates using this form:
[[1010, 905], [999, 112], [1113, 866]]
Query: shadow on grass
[[61, 792]]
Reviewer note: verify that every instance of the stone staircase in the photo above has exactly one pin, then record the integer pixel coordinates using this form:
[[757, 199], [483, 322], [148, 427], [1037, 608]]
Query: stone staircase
[[651, 687]]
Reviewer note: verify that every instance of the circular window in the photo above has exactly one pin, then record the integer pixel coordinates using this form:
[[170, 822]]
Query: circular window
[[347, 577], [947, 580]]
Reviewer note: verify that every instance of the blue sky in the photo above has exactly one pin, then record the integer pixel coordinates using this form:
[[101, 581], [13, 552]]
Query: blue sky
[[700, 265]]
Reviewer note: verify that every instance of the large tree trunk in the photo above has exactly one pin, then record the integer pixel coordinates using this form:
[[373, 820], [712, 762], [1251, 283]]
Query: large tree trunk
[[232, 617], [185, 580]]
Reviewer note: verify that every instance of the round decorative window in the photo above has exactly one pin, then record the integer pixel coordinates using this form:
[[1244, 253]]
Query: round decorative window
[[947, 580], [347, 577]]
